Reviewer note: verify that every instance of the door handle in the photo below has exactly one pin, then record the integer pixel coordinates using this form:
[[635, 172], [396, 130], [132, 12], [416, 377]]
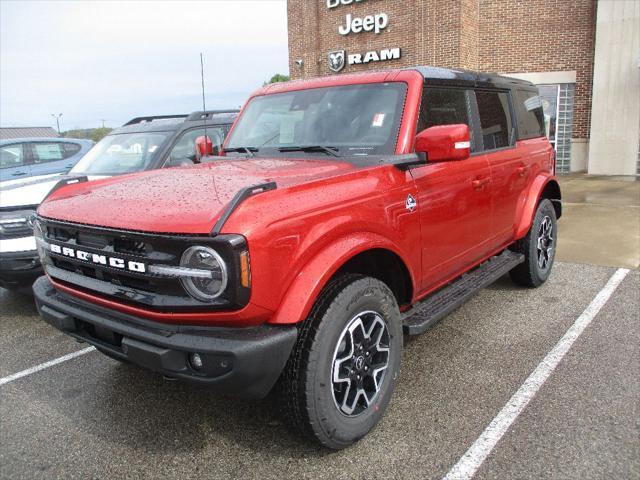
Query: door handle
[[479, 183], [17, 174], [522, 171]]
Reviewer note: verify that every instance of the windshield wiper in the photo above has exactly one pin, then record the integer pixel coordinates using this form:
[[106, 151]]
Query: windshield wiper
[[248, 150], [312, 148]]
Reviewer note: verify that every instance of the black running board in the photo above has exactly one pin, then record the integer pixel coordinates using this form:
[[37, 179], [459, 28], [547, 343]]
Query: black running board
[[441, 303]]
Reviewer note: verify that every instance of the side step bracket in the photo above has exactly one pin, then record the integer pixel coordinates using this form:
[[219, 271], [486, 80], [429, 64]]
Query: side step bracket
[[445, 300]]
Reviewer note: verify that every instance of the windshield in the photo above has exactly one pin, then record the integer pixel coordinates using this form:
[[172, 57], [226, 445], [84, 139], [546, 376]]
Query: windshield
[[351, 120], [121, 153]]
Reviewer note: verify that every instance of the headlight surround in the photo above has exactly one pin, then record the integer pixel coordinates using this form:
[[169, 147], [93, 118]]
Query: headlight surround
[[17, 223], [203, 258]]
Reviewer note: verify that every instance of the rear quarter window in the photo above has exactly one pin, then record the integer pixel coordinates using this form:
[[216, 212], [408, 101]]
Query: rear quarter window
[[530, 115], [70, 149]]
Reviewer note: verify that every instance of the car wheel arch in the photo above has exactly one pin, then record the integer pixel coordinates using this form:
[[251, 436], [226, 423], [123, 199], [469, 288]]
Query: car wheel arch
[[348, 255], [543, 186]]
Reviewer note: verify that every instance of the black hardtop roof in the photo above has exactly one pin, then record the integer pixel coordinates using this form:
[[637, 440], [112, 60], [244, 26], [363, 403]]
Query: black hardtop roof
[[214, 115], [468, 78], [172, 123]]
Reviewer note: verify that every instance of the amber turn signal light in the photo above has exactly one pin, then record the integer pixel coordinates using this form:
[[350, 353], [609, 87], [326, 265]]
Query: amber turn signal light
[[245, 270]]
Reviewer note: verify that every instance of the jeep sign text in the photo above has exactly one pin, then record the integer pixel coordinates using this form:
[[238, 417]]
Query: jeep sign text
[[375, 23]]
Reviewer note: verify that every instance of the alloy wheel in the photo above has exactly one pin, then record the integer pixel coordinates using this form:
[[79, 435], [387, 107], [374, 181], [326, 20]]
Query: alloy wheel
[[545, 243], [360, 362]]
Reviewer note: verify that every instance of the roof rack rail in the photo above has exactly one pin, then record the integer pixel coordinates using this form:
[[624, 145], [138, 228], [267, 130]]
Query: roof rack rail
[[200, 115], [133, 121]]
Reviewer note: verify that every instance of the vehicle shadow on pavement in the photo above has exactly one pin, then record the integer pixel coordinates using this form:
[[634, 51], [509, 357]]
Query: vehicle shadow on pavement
[[146, 411], [504, 283]]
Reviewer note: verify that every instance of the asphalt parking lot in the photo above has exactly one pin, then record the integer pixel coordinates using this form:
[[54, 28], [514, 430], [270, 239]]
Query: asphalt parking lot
[[91, 417]]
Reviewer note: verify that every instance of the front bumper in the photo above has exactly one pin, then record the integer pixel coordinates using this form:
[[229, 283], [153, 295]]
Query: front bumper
[[19, 269], [241, 361]]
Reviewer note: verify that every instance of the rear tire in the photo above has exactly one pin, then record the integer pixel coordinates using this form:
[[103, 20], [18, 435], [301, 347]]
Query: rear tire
[[343, 369], [538, 247]]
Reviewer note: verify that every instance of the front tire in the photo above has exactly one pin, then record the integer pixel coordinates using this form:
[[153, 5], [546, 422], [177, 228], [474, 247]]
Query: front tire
[[342, 372], [538, 247]]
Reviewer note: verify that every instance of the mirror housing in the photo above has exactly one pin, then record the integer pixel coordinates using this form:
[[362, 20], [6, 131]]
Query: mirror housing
[[443, 143], [204, 147]]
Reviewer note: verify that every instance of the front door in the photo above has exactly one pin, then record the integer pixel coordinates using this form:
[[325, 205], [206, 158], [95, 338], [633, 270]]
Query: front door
[[13, 162], [454, 198]]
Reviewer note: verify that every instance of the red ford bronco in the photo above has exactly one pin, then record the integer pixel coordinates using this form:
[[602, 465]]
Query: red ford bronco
[[343, 212]]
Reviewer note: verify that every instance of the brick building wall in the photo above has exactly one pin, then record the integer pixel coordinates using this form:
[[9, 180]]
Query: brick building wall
[[507, 36], [542, 36]]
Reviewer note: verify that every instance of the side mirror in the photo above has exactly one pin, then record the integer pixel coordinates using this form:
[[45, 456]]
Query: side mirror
[[204, 147], [444, 143]]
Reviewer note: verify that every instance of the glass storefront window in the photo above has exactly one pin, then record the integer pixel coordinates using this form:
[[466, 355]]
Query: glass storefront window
[[550, 94]]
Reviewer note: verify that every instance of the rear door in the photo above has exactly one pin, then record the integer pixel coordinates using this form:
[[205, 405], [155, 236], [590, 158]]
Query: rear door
[[509, 169], [52, 157], [454, 198], [13, 162]]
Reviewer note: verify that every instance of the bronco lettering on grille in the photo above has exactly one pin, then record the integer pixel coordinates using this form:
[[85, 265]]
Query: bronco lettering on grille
[[114, 262]]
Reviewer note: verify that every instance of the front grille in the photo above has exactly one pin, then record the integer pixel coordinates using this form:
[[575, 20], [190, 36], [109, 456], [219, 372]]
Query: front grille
[[15, 228], [112, 243], [142, 289]]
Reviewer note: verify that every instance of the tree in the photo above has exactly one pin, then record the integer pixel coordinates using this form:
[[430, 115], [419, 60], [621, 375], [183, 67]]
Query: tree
[[278, 77], [99, 133], [95, 134]]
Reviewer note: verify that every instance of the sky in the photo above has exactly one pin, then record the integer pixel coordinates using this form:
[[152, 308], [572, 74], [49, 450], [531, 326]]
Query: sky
[[114, 60]]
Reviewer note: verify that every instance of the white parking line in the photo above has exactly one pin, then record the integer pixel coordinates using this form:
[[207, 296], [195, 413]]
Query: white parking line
[[470, 462], [44, 365]]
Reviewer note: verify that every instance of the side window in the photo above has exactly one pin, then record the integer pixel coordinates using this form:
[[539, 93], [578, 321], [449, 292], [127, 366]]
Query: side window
[[184, 151], [69, 149], [11, 156], [495, 119], [445, 106], [47, 152], [530, 114]]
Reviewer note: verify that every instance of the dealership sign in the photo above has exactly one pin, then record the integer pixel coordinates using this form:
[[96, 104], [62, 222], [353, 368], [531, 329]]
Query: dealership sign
[[370, 23], [335, 3], [375, 23], [339, 58]]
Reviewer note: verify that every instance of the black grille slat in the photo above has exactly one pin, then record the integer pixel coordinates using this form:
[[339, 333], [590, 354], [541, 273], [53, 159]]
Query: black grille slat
[[93, 241], [131, 247]]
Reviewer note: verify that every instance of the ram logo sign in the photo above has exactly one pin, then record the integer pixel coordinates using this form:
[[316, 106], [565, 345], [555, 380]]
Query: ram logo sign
[[339, 58], [336, 60]]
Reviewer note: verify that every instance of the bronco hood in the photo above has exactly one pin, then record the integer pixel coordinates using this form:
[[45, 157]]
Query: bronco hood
[[177, 200]]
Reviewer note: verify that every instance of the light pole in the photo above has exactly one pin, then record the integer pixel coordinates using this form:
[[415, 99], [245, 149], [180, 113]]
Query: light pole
[[57, 117]]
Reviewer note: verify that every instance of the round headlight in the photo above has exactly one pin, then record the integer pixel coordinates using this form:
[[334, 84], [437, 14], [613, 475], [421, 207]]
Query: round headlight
[[208, 288]]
